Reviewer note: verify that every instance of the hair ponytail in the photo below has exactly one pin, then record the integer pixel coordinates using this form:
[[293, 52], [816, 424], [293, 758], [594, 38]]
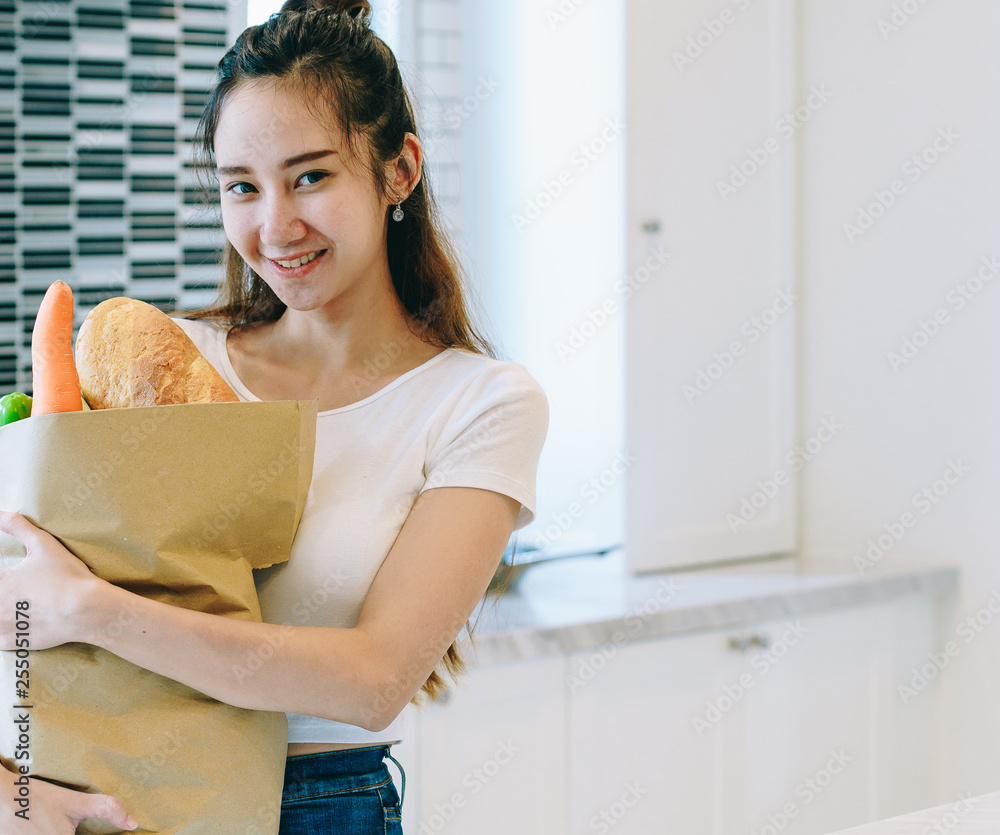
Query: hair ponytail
[[353, 7]]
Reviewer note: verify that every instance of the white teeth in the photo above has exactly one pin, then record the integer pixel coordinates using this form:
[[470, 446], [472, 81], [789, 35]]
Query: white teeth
[[298, 262]]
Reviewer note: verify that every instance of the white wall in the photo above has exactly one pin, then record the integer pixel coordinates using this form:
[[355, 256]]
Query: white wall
[[551, 86], [507, 96], [893, 92]]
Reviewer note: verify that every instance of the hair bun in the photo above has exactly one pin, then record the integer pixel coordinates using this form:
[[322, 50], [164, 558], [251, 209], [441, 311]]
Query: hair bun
[[355, 8]]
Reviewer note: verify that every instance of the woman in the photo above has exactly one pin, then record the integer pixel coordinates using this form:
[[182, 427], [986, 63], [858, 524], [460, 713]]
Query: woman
[[338, 288]]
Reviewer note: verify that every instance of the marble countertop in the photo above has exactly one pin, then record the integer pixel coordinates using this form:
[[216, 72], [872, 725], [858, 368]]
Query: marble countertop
[[964, 816], [585, 602]]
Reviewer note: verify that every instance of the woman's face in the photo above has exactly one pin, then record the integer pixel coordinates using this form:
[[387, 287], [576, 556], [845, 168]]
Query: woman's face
[[278, 206]]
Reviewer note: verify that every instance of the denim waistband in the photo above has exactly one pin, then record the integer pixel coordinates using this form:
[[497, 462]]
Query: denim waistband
[[355, 769]]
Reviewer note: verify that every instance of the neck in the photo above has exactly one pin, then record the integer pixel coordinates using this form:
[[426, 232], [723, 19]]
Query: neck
[[350, 338]]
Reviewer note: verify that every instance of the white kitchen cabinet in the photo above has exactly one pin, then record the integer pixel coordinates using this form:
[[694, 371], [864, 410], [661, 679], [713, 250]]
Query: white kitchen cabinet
[[796, 752], [491, 760], [720, 737], [632, 725], [802, 729], [711, 94], [905, 744]]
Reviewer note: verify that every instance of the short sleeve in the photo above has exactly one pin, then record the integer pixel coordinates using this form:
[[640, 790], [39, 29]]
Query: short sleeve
[[494, 437]]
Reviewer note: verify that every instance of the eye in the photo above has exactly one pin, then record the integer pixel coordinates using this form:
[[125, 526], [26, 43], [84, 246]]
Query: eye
[[317, 174]]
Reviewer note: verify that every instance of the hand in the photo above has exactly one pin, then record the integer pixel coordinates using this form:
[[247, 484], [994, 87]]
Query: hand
[[55, 810], [50, 578]]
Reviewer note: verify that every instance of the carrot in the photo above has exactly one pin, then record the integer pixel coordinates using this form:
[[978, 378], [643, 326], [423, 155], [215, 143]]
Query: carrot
[[55, 384]]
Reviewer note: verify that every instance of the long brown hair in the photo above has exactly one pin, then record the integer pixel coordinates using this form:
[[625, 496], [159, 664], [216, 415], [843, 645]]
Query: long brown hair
[[328, 47]]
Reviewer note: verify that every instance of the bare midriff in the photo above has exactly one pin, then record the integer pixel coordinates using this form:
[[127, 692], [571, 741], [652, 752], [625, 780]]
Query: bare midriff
[[297, 749]]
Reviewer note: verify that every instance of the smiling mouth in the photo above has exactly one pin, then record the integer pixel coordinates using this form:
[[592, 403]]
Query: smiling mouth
[[298, 262]]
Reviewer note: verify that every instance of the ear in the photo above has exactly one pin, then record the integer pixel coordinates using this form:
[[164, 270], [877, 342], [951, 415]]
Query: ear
[[406, 171]]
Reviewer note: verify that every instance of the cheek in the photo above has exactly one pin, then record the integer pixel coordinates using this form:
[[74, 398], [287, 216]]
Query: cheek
[[236, 225]]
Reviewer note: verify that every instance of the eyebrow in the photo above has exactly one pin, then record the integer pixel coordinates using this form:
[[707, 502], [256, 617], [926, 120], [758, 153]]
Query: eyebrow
[[288, 163]]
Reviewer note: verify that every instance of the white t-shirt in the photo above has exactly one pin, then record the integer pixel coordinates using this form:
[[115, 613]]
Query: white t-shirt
[[459, 420]]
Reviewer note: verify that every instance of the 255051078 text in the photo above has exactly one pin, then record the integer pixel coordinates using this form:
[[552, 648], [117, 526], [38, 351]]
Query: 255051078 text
[[22, 719]]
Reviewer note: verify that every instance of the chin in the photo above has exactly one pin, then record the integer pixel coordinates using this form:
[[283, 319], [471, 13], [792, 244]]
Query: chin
[[298, 304]]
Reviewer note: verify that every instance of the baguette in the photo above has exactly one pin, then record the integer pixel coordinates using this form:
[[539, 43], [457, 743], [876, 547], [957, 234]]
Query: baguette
[[129, 353]]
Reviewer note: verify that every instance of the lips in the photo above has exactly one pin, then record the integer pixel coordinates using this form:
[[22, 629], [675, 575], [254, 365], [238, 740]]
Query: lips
[[298, 260]]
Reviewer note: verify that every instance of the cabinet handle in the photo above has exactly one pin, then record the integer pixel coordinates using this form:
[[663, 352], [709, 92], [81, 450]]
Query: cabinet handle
[[744, 644], [651, 226]]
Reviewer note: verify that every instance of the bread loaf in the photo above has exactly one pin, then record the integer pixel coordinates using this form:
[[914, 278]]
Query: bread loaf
[[129, 353]]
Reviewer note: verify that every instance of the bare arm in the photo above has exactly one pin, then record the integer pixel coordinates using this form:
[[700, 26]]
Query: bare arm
[[429, 584]]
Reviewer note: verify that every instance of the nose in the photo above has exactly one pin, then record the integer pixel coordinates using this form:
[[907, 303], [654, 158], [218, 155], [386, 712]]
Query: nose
[[280, 223]]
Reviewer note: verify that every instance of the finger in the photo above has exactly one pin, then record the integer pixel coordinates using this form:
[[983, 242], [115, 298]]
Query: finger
[[106, 808], [20, 528]]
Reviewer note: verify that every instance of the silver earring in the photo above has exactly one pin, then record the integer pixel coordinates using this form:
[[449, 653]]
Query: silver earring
[[398, 212]]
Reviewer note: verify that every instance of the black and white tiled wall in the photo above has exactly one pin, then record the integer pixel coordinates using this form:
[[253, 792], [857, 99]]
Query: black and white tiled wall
[[99, 101]]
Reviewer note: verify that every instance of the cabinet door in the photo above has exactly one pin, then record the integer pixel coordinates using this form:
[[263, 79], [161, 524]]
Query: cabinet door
[[905, 717], [492, 759], [794, 725], [711, 103], [822, 740], [638, 762], [797, 749]]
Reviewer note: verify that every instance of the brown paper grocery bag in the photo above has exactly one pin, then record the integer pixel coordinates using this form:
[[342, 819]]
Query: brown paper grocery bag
[[176, 503]]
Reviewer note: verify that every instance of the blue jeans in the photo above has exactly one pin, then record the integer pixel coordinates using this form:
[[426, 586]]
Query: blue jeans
[[341, 793]]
